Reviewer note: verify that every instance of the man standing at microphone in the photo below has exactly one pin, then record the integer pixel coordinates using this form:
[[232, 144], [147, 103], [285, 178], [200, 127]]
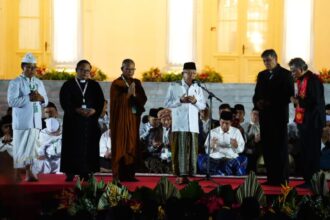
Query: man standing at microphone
[[185, 98]]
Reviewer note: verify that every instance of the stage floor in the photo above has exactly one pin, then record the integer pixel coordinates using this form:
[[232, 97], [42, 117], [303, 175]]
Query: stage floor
[[51, 182]]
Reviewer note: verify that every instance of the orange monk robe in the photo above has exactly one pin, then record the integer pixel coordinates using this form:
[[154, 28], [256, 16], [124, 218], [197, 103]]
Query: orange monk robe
[[124, 124]]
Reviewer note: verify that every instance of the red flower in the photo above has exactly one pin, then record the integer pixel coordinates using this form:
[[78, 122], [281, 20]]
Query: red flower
[[212, 203]]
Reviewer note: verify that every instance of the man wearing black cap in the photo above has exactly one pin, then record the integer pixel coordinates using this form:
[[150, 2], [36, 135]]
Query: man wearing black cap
[[50, 111], [225, 145], [272, 97], [153, 122], [185, 99]]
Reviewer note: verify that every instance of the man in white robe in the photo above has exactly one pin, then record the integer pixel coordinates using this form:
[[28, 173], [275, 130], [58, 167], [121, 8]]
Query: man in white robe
[[26, 95], [49, 150]]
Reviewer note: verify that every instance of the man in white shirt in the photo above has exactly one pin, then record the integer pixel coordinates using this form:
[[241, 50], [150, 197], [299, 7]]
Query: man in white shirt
[[26, 95], [185, 99], [105, 151], [225, 145]]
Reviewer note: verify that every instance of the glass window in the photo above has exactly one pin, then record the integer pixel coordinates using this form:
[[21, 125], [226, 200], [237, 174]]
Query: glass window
[[298, 29], [181, 31], [29, 25], [227, 26], [66, 32]]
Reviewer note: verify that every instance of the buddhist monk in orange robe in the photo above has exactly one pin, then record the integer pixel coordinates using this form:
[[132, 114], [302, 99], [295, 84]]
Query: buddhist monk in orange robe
[[127, 100]]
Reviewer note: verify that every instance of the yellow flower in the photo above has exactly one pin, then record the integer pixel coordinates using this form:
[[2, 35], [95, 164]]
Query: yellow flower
[[285, 189]]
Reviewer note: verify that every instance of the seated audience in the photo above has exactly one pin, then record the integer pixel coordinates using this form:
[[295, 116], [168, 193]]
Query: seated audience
[[325, 142], [6, 138], [104, 120], [50, 111], [158, 155], [253, 148], [105, 151], [226, 143], [203, 122], [153, 122], [49, 150], [240, 114], [224, 107], [6, 148]]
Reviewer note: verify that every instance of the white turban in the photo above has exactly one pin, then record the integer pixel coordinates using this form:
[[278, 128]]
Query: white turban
[[29, 58]]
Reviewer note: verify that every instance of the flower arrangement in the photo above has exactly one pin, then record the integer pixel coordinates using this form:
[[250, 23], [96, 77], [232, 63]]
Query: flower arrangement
[[154, 74], [44, 73], [325, 75], [94, 199]]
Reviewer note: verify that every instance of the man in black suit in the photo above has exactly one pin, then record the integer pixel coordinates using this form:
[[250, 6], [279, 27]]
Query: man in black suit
[[272, 97]]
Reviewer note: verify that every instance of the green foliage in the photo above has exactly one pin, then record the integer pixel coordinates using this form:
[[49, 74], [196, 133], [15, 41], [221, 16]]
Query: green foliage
[[165, 190], [319, 184], [325, 75], [226, 192], [86, 197], [154, 74], [44, 73], [318, 205], [56, 75], [144, 194], [192, 191], [112, 196], [92, 197], [251, 188]]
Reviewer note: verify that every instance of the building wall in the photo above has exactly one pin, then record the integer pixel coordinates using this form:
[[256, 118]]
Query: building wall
[[321, 35], [114, 30]]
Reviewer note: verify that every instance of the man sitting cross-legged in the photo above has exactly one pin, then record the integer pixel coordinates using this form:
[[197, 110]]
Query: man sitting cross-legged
[[225, 145]]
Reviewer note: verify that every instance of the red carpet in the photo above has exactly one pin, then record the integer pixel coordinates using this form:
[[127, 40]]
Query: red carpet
[[25, 199]]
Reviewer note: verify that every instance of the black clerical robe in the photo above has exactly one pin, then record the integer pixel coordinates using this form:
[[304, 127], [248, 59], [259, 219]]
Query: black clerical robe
[[310, 130], [81, 135]]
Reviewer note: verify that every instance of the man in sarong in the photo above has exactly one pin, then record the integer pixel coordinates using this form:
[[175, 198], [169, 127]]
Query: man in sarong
[[185, 99]]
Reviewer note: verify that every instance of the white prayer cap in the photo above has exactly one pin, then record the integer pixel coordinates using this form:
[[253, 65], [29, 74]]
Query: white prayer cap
[[52, 124], [29, 58]]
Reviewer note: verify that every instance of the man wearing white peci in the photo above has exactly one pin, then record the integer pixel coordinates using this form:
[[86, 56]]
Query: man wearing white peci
[[26, 95]]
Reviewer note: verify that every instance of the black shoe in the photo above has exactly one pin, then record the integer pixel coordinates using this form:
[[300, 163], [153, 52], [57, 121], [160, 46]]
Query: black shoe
[[69, 178]]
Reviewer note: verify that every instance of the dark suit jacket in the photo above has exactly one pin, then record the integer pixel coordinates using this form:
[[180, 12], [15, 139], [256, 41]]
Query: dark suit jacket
[[275, 91]]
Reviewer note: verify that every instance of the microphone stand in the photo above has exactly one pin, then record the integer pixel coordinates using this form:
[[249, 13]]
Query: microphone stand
[[210, 96]]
